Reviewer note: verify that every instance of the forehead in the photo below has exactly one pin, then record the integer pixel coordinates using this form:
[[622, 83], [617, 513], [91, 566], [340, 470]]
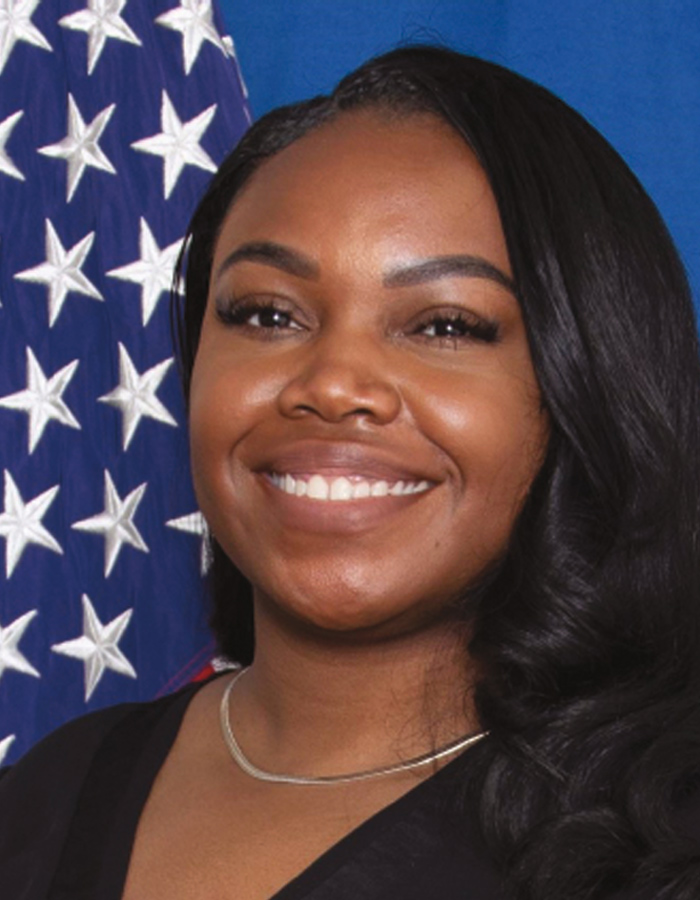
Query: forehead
[[366, 178]]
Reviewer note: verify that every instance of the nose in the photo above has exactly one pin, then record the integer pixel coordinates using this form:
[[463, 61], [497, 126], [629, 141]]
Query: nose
[[340, 378]]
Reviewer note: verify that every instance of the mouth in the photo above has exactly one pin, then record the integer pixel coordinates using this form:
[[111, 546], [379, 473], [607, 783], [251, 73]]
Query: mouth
[[337, 488], [343, 488]]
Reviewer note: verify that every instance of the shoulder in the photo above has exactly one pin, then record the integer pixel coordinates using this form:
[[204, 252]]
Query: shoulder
[[39, 794], [73, 745], [66, 751]]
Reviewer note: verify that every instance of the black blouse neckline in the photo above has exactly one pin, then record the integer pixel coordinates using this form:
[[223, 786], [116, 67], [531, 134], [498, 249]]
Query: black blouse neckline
[[120, 780]]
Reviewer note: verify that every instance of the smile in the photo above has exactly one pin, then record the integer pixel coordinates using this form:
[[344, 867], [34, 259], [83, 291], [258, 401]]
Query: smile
[[343, 488]]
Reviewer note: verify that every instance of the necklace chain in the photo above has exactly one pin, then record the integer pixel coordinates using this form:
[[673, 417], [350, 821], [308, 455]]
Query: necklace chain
[[278, 778]]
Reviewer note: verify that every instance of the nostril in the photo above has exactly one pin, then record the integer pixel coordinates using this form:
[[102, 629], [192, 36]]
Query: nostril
[[335, 394]]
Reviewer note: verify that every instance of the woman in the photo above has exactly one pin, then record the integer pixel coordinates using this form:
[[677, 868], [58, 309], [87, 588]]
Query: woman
[[442, 377]]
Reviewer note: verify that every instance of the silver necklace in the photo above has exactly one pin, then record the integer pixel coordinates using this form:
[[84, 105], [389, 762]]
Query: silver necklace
[[261, 775]]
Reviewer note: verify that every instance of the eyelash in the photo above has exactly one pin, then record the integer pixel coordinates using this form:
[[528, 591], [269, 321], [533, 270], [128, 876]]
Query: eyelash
[[238, 314], [473, 328]]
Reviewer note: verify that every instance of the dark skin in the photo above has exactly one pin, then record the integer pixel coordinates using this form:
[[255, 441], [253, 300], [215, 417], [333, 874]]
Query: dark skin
[[361, 326]]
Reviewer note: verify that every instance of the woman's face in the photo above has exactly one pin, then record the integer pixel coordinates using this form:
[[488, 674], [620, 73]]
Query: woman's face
[[365, 419]]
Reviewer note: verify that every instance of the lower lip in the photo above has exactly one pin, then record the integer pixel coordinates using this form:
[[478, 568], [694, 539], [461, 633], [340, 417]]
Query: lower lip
[[335, 516]]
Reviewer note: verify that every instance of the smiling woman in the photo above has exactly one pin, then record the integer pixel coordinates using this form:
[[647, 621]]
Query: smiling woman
[[444, 405], [362, 346]]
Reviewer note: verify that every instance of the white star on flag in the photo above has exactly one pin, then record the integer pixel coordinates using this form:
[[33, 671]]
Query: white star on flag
[[153, 271], [6, 127], [101, 19], [16, 25], [80, 146], [98, 647], [230, 47], [195, 523], [61, 271], [194, 20], [10, 655], [115, 522], [5, 745], [20, 523], [98, 122], [42, 399], [135, 395], [178, 143]]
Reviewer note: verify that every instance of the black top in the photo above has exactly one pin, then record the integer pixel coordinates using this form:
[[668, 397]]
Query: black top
[[69, 811]]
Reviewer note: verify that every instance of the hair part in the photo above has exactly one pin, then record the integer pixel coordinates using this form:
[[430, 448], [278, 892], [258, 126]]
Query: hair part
[[588, 632]]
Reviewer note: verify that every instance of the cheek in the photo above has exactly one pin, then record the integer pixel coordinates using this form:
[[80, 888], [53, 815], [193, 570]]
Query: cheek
[[211, 413], [230, 396], [226, 394], [218, 412], [495, 432], [502, 461]]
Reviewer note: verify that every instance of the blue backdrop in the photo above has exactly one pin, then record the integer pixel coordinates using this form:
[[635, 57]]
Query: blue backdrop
[[633, 68]]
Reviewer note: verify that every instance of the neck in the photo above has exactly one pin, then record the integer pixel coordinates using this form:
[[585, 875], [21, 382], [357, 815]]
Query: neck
[[323, 706]]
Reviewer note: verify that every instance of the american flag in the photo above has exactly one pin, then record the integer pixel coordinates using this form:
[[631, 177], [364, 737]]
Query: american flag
[[113, 115]]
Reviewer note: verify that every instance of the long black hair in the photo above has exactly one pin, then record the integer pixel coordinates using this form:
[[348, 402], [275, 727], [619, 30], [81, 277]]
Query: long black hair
[[587, 636]]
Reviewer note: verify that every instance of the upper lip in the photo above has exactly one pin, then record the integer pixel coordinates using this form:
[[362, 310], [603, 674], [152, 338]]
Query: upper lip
[[333, 459]]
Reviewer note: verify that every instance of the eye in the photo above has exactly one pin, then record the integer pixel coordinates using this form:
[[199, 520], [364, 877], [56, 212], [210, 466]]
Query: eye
[[266, 317], [455, 328]]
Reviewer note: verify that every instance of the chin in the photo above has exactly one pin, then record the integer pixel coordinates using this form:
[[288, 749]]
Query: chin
[[353, 614]]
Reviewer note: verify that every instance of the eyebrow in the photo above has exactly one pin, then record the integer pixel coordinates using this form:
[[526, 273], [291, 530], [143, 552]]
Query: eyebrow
[[296, 263], [461, 265], [271, 254]]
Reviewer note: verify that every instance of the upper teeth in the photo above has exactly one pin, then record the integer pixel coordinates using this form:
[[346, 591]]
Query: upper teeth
[[318, 487]]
